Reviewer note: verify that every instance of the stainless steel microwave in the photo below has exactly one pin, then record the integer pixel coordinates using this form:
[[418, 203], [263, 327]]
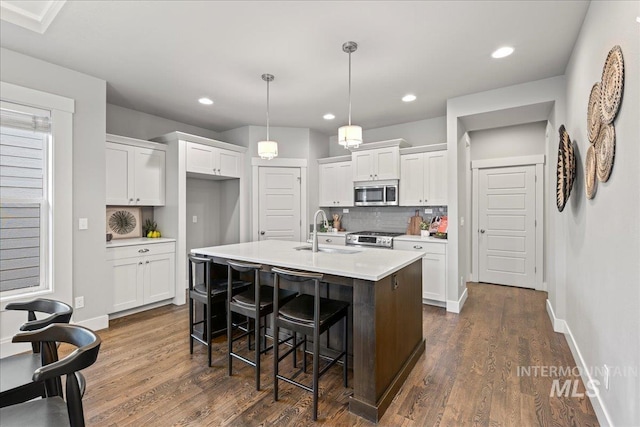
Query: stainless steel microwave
[[376, 194]]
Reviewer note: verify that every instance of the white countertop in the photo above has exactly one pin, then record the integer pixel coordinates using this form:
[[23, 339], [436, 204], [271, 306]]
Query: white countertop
[[410, 238], [366, 264], [137, 241]]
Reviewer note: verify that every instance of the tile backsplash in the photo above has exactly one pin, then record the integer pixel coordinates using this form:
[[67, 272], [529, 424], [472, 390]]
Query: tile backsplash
[[383, 218]]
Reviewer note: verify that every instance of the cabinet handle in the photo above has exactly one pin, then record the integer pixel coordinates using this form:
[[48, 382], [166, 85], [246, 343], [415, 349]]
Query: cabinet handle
[[375, 176], [140, 263], [262, 233], [219, 171], [138, 199], [147, 262], [420, 201], [371, 176], [417, 247], [329, 240], [482, 231], [131, 200], [142, 251]]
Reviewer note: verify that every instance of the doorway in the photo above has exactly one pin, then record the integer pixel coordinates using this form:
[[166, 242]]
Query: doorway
[[507, 218], [279, 199]]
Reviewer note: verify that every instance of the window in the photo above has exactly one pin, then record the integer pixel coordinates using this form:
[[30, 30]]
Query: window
[[25, 208]]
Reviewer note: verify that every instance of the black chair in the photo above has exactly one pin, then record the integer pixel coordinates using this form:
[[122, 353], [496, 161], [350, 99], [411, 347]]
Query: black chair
[[308, 315], [16, 371], [209, 293], [55, 411], [255, 303]]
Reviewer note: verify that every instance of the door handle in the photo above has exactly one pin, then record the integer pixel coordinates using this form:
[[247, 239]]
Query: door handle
[[482, 231], [262, 233]]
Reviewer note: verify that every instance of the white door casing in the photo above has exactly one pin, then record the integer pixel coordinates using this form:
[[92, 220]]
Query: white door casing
[[279, 203]]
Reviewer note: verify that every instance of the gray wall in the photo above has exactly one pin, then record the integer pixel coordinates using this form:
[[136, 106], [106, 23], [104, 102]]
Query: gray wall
[[422, 132], [135, 124], [89, 93], [509, 141], [603, 234]]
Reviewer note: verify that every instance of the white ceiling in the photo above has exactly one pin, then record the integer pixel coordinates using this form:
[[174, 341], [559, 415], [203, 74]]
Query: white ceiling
[[160, 57]]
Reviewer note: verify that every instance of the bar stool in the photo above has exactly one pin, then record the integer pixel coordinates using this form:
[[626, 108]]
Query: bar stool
[[308, 315], [208, 293], [255, 303]]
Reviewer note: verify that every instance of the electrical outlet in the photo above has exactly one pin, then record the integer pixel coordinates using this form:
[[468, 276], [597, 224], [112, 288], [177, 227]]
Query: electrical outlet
[[345, 210], [606, 377], [461, 282], [195, 219], [83, 223], [79, 302], [428, 210], [461, 221]]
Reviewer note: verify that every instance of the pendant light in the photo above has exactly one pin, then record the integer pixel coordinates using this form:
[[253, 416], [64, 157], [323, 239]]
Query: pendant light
[[350, 136], [267, 149]]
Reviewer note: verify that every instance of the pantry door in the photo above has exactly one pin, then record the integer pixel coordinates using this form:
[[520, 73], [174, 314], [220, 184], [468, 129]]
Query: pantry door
[[279, 203], [507, 225]]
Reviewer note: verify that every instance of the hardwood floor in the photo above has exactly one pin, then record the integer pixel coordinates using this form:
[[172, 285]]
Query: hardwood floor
[[468, 375]]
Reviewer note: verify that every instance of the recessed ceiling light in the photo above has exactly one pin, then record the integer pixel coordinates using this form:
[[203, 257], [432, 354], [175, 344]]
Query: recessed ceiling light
[[328, 116], [409, 98], [638, 19], [205, 101], [502, 52]]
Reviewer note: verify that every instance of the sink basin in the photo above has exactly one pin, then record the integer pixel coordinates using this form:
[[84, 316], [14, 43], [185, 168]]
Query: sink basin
[[328, 250]]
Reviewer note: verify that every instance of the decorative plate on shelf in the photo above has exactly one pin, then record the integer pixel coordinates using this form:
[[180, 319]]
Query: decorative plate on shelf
[[590, 172], [593, 113], [612, 85], [124, 222], [566, 169], [605, 148]]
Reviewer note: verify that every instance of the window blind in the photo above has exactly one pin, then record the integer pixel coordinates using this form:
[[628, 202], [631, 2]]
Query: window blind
[[23, 196]]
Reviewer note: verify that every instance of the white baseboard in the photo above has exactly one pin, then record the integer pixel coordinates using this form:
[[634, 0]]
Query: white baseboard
[[95, 324], [559, 325], [596, 401], [139, 309], [456, 306]]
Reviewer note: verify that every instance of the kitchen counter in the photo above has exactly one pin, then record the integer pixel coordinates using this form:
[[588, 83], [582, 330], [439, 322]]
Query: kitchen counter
[[383, 288], [362, 263], [117, 243], [411, 238]]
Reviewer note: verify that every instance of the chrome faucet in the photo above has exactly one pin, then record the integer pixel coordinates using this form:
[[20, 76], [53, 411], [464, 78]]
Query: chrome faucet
[[325, 222]]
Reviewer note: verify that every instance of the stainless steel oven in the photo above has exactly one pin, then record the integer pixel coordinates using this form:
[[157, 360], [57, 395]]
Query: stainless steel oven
[[376, 194]]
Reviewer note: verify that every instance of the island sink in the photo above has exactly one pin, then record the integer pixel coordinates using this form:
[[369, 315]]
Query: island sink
[[328, 250]]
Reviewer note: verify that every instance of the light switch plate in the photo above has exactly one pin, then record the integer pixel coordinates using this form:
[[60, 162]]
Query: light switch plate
[[83, 224], [195, 219]]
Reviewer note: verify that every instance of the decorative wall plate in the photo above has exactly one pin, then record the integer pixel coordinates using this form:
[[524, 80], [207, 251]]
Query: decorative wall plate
[[612, 85], [594, 113], [124, 222], [605, 148], [565, 170], [590, 172]]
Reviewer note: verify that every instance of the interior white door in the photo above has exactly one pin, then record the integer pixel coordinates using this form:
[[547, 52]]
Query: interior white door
[[506, 226], [279, 203]]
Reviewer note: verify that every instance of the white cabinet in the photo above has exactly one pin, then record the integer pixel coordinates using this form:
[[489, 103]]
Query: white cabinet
[[423, 179], [208, 160], [135, 175], [336, 184], [434, 267], [141, 274], [376, 164]]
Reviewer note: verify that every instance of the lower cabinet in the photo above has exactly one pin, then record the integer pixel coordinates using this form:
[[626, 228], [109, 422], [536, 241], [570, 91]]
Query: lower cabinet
[[141, 274], [434, 268]]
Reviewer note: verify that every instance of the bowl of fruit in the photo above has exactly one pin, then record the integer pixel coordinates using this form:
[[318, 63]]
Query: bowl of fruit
[[151, 229]]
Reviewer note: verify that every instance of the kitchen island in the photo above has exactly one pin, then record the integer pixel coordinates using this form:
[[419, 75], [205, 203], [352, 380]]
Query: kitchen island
[[384, 289]]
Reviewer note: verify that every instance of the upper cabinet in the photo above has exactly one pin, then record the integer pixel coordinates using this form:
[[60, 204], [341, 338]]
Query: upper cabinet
[[423, 179], [135, 172], [336, 183], [377, 161], [208, 160]]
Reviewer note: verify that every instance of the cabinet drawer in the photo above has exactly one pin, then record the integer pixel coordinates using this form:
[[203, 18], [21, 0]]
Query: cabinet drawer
[[426, 247], [140, 250], [332, 240]]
